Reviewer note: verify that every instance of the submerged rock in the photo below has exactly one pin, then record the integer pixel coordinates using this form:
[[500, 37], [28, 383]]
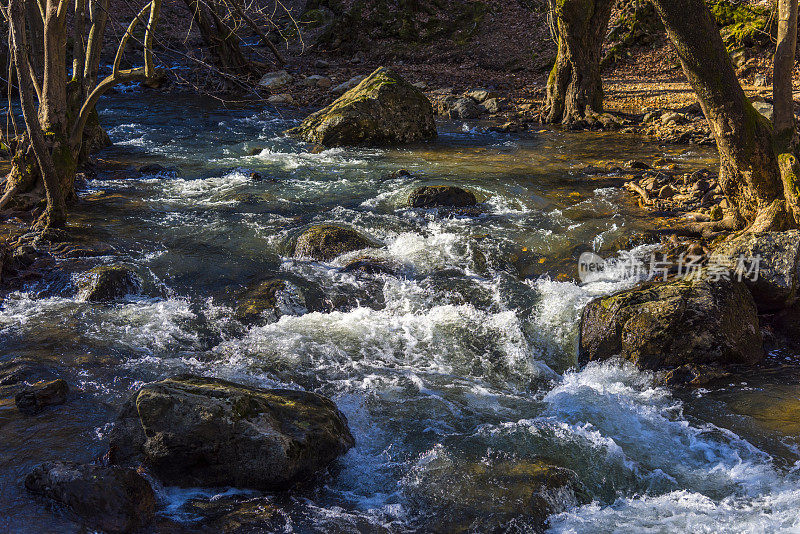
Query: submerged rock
[[668, 324], [367, 265], [195, 431], [434, 196], [778, 257], [112, 499], [327, 241], [36, 397], [487, 496], [268, 301], [382, 109], [109, 282], [236, 514]]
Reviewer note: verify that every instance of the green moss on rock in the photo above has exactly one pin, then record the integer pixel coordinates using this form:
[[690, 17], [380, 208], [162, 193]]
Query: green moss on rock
[[662, 325], [327, 241], [383, 109]]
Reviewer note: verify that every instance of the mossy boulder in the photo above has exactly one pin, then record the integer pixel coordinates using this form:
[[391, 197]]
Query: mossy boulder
[[435, 196], [486, 496], [662, 325], [383, 109], [777, 255], [108, 283], [196, 431], [325, 242], [112, 499], [268, 301]]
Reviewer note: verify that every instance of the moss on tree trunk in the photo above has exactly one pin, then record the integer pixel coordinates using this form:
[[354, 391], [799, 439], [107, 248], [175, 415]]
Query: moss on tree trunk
[[575, 87]]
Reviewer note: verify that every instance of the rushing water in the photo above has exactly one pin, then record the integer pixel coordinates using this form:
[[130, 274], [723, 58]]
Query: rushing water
[[466, 355]]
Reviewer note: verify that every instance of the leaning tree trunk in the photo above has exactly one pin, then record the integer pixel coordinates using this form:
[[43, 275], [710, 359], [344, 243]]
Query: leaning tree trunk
[[749, 173], [575, 87]]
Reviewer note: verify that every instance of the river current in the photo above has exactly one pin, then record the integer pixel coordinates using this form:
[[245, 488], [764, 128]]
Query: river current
[[466, 354]]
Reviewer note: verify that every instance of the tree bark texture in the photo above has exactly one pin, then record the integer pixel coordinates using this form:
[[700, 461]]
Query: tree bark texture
[[575, 87], [749, 173]]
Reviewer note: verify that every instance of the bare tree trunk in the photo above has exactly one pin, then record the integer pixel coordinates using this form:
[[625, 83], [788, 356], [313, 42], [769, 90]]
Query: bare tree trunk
[[220, 38], [783, 66], [749, 172], [56, 212], [65, 123], [575, 86]]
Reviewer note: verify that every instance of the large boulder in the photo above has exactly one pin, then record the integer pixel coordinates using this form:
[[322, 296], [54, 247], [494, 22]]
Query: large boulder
[[668, 324], [112, 499], [383, 109], [486, 497], [196, 431], [108, 283], [433, 196], [327, 241], [778, 257]]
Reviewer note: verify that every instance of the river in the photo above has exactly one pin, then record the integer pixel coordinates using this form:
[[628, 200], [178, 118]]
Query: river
[[466, 354]]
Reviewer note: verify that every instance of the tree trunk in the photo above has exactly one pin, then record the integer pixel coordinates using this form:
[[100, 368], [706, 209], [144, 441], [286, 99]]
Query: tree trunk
[[783, 66], [749, 173], [575, 87], [221, 39]]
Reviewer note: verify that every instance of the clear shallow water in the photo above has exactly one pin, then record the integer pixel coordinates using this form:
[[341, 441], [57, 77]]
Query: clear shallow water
[[466, 356]]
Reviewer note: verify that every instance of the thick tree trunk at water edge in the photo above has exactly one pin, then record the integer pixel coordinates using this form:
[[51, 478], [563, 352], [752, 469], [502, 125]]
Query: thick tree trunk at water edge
[[749, 172], [575, 87]]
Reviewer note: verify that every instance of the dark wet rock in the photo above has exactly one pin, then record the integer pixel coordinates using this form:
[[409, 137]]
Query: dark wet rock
[[372, 266], [637, 165], [36, 397], [195, 431], [268, 301], [668, 324], [153, 168], [235, 515], [776, 286], [17, 373], [694, 375], [382, 109], [509, 127], [434, 196], [402, 173], [113, 499], [327, 241], [491, 496], [108, 283]]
